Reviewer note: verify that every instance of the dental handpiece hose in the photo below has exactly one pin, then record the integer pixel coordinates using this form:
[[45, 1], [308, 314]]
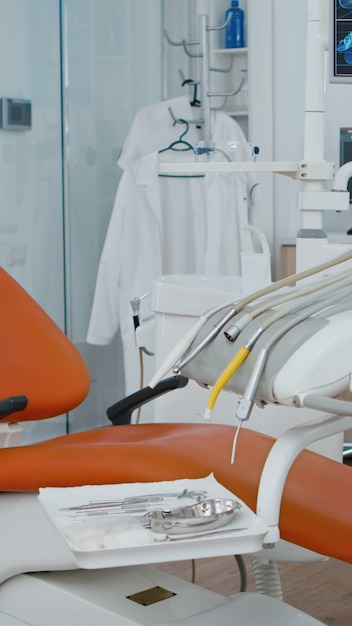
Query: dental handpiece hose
[[229, 371], [241, 321], [243, 352], [285, 282], [246, 403]]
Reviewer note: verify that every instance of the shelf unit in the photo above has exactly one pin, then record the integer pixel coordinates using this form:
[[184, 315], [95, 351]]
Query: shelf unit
[[287, 168], [236, 60], [222, 75]]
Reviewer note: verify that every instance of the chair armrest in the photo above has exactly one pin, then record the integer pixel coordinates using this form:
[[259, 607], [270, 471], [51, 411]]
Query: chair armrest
[[12, 405], [121, 412]]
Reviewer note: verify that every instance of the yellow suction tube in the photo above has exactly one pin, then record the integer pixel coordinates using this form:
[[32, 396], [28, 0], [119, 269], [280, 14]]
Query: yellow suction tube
[[224, 377]]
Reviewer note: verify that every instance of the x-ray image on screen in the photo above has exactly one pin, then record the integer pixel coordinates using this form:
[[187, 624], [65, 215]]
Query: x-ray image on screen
[[341, 41]]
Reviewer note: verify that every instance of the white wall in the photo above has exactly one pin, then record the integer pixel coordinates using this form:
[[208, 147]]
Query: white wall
[[30, 176], [277, 49], [261, 107]]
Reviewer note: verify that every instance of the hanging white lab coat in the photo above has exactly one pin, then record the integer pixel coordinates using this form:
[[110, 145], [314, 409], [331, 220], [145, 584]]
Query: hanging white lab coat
[[164, 225]]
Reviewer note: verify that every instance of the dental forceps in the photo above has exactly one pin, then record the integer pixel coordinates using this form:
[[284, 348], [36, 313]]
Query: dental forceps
[[134, 502]]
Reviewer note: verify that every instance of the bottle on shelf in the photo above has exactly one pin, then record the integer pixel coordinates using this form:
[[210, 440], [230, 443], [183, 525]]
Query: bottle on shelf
[[235, 26]]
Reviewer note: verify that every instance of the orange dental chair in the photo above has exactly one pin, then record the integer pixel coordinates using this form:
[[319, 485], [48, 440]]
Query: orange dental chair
[[42, 376]]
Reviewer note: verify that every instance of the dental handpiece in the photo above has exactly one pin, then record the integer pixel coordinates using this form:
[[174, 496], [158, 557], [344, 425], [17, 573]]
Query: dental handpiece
[[246, 403], [206, 341], [306, 309]]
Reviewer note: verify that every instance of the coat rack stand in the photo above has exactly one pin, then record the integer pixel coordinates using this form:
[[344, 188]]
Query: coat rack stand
[[202, 52]]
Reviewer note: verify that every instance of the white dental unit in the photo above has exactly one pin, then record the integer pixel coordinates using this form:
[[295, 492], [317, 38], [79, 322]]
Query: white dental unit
[[61, 571], [172, 297]]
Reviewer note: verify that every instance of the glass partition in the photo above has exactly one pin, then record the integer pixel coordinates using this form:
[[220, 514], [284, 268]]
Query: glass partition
[[112, 66]]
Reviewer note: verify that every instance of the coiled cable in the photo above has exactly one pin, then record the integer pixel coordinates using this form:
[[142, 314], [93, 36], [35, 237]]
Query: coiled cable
[[267, 578]]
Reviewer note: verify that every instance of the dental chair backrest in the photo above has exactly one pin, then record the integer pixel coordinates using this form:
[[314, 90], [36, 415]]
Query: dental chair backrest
[[38, 361]]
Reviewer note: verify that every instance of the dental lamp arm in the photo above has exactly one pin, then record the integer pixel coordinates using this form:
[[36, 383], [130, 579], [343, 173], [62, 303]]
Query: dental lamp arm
[[121, 412], [341, 178], [286, 450]]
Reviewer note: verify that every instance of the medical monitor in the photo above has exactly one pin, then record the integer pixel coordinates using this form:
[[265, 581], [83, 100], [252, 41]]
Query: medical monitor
[[341, 41]]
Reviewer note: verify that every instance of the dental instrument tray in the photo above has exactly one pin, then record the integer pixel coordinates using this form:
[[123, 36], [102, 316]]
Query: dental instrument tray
[[122, 524], [203, 516]]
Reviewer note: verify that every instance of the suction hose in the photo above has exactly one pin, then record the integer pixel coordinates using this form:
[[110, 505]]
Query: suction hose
[[267, 578]]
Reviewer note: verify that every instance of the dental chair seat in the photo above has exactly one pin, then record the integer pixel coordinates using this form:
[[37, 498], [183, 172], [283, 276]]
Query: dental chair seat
[[313, 512], [40, 362]]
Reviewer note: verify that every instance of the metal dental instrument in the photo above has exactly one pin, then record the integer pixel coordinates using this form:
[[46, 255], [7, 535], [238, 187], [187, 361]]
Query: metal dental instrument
[[133, 510], [245, 404], [184, 344], [135, 501], [196, 535], [135, 305]]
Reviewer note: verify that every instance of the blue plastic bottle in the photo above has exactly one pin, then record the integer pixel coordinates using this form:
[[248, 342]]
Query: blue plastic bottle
[[235, 27]]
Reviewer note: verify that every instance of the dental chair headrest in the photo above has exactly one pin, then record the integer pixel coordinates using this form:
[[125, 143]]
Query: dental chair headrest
[[37, 359]]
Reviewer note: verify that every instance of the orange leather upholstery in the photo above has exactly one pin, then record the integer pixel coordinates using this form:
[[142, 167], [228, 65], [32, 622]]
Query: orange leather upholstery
[[37, 360], [315, 512]]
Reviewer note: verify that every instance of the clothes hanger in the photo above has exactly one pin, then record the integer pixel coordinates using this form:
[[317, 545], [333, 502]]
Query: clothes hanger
[[180, 145], [195, 102], [185, 145]]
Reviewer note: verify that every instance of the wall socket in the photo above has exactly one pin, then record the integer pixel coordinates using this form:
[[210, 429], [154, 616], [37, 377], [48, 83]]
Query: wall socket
[[16, 255]]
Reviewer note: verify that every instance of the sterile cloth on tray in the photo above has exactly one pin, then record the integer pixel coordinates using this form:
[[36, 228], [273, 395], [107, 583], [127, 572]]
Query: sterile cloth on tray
[[99, 530]]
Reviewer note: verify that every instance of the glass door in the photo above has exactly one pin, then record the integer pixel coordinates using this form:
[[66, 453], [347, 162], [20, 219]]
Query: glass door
[[86, 67], [112, 66], [31, 198]]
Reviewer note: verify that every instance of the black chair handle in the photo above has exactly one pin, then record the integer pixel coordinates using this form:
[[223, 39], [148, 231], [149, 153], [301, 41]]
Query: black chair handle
[[121, 412], [12, 405]]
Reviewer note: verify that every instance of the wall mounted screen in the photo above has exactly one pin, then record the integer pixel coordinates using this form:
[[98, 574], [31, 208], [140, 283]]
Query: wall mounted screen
[[341, 41]]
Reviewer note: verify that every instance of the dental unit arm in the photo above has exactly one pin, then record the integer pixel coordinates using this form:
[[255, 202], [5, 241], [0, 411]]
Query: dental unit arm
[[311, 356], [272, 352]]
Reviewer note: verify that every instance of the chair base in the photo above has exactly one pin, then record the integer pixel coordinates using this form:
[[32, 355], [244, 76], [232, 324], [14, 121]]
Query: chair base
[[103, 597]]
